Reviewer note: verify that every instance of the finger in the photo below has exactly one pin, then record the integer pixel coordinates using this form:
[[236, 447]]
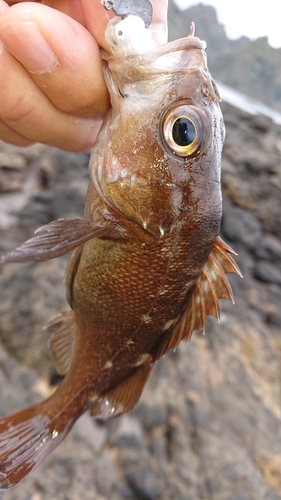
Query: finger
[[9, 135], [61, 56], [29, 113], [3, 7], [12, 2], [69, 7], [158, 26], [97, 17]]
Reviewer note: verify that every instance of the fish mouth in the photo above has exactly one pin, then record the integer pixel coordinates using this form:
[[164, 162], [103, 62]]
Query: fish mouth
[[178, 55]]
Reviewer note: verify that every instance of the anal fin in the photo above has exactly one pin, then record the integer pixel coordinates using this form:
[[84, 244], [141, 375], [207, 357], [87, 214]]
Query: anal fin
[[57, 238], [62, 341], [124, 396], [212, 285]]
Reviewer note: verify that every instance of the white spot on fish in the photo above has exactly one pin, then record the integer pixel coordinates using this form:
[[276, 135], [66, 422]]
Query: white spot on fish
[[141, 359], [146, 318], [108, 365], [168, 324], [123, 172], [162, 231]]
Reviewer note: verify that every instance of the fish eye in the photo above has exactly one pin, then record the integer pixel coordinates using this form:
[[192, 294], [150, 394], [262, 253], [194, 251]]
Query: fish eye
[[182, 130]]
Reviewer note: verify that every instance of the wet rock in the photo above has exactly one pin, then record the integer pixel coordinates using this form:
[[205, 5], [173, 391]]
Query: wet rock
[[268, 272], [241, 225], [96, 435], [269, 247], [254, 181], [127, 433], [139, 474], [152, 415], [273, 309]]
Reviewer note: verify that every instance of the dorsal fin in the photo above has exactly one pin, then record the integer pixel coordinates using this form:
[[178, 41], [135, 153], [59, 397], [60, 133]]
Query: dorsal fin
[[211, 286], [61, 343], [124, 396]]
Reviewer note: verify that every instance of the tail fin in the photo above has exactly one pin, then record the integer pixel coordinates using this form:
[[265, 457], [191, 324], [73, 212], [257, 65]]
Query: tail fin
[[26, 439]]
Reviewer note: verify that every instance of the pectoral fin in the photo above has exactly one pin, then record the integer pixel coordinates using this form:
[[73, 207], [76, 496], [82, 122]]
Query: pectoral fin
[[211, 286], [57, 238], [62, 341]]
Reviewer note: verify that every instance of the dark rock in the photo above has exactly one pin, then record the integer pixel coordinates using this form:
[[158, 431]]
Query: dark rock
[[139, 474], [241, 225], [257, 190], [152, 415], [269, 247], [268, 272], [128, 433], [273, 309], [250, 66]]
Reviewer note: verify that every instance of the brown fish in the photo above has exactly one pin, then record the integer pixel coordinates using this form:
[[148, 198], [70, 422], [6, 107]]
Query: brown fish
[[148, 265]]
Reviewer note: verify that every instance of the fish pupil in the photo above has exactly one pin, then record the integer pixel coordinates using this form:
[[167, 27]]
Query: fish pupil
[[183, 131]]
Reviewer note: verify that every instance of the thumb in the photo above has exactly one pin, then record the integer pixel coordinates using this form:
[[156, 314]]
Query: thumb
[[60, 55]]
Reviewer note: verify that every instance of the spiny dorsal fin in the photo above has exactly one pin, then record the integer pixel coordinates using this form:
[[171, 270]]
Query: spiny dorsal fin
[[61, 343], [124, 396], [211, 286], [58, 238], [221, 251]]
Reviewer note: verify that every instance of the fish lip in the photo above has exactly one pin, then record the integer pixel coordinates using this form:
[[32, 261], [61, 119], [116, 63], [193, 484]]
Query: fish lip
[[151, 55], [163, 62]]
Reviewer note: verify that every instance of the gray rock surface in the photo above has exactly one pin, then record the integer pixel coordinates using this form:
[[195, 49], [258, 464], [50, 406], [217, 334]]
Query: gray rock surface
[[208, 425]]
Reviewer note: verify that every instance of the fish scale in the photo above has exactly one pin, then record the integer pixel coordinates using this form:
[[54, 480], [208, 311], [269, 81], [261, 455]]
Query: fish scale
[[148, 264]]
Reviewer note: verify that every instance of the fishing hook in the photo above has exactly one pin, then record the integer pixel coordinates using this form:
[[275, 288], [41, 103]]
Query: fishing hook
[[140, 8]]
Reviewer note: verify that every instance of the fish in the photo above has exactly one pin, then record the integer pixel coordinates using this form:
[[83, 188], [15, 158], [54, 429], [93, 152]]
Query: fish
[[147, 263]]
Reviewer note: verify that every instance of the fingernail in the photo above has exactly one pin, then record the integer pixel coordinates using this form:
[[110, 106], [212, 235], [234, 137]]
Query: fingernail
[[26, 42]]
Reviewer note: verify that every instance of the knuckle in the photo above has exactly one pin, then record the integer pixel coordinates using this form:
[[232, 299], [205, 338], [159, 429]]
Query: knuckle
[[19, 110]]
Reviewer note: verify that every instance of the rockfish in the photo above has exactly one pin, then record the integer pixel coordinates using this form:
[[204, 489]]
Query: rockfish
[[148, 265]]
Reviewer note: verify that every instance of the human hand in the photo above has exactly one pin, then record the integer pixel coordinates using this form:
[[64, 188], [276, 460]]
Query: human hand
[[51, 84]]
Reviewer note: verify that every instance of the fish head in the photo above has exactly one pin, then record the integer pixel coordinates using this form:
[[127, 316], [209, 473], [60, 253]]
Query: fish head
[[157, 157]]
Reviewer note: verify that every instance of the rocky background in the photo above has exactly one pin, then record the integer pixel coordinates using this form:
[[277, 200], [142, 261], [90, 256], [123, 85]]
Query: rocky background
[[250, 66], [208, 425]]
